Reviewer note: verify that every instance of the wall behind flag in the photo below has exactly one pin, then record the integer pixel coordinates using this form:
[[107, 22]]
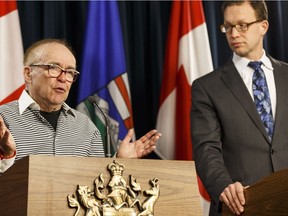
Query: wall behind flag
[[144, 27]]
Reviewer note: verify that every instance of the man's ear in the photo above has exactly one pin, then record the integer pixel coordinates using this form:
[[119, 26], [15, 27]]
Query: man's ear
[[264, 26], [27, 74]]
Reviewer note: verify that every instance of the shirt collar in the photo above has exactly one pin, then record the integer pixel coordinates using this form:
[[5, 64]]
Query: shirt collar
[[25, 101], [241, 63]]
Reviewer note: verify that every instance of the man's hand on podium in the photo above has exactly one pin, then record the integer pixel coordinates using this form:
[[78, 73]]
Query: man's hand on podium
[[233, 197]]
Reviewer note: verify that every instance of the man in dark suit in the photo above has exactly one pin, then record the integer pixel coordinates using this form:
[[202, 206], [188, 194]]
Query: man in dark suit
[[232, 146]]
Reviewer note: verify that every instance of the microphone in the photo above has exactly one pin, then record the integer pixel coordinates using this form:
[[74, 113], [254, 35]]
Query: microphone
[[93, 100]]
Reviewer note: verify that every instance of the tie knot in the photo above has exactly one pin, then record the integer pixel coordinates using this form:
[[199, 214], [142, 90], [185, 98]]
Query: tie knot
[[255, 64]]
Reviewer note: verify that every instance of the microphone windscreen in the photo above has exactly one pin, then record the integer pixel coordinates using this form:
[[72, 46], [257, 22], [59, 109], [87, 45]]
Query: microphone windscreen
[[92, 99]]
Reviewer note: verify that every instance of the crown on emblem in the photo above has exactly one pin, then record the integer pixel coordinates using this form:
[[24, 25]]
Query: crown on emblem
[[116, 168]]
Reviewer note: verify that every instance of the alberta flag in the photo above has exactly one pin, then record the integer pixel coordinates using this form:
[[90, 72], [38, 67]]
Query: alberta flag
[[103, 73], [11, 53], [187, 58]]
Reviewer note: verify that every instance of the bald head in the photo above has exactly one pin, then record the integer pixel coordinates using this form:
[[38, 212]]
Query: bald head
[[37, 51]]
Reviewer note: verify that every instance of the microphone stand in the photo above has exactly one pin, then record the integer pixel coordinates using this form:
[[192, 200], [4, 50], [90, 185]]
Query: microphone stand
[[92, 100]]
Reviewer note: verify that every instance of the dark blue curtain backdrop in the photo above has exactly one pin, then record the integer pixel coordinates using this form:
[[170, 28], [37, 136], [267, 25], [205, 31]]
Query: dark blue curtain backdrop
[[145, 25]]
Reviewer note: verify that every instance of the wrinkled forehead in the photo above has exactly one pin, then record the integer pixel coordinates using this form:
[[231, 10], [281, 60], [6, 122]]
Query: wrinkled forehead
[[52, 53]]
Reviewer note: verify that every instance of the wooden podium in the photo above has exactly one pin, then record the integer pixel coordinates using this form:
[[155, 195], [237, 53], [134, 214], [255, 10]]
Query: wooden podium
[[269, 196], [39, 185]]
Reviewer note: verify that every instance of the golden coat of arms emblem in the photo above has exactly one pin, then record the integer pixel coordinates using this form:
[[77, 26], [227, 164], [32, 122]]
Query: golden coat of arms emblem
[[117, 197]]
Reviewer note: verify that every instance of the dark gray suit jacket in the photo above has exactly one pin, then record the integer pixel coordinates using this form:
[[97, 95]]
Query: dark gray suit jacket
[[229, 140]]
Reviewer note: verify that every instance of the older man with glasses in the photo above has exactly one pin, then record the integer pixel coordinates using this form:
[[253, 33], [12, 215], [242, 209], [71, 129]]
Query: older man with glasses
[[40, 122]]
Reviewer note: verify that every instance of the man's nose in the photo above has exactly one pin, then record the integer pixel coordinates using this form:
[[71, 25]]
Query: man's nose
[[234, 32]]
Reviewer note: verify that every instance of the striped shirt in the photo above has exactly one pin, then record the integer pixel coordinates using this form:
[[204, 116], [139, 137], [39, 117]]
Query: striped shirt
[[75, 135]]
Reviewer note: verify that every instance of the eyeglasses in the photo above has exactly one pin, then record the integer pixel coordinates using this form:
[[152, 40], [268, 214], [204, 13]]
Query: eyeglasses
[[55, 71], [241, 27]]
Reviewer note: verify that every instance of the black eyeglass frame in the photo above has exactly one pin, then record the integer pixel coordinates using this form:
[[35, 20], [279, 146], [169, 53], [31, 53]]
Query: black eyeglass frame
[[59, 69], [241, 27]]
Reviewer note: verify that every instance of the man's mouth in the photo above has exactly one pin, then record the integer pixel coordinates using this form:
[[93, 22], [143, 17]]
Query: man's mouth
[[60, 90]]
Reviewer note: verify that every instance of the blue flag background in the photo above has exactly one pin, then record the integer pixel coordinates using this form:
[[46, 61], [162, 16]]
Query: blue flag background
[[103, 72]]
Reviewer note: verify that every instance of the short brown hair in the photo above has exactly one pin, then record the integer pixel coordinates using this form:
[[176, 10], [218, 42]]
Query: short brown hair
[[259, 7]]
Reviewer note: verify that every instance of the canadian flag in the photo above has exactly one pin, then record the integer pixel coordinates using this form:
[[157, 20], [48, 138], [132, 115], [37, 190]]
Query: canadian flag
[[187, 58], [11, 53]]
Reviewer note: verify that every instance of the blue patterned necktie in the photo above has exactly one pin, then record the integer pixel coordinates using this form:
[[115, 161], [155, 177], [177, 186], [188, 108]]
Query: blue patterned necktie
[[262, 97]]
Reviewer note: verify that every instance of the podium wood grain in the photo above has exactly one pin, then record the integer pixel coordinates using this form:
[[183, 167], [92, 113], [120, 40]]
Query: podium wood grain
[[39, 185]]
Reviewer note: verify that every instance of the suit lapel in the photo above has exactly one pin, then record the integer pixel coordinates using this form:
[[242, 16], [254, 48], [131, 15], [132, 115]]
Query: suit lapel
[[235, 84]]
